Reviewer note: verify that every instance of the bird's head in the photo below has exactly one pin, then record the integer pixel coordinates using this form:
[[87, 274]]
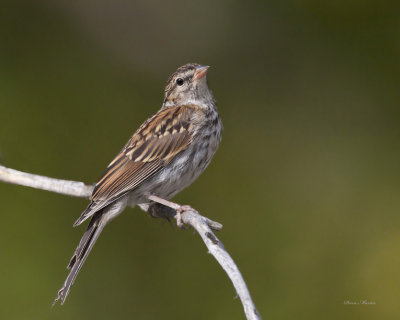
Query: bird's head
[[188, 85]]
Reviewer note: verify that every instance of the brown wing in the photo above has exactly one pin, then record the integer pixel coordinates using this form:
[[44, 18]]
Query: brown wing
[[150, 149]]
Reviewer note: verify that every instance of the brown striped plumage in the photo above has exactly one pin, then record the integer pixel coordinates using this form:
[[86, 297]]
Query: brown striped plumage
[[150, 149], [165, 155]]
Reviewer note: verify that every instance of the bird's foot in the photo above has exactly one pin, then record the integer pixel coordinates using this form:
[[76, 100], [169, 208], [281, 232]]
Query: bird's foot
[[179, 212]]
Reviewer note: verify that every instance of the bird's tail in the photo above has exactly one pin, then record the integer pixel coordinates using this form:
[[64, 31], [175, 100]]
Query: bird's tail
[[86, 244]]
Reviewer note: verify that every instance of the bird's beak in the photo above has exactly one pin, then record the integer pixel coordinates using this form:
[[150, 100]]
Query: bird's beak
[[200, 72]]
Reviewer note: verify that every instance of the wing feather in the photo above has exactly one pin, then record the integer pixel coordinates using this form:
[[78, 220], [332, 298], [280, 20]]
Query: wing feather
[[151, 148]]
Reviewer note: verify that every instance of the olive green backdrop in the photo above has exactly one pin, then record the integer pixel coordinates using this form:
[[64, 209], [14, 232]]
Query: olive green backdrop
[[306, 181]]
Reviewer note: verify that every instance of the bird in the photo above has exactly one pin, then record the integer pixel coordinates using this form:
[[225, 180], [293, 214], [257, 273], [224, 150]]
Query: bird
[[164, 156]]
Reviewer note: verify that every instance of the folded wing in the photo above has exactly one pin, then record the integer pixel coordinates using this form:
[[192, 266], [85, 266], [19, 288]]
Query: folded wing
[[153, 146]]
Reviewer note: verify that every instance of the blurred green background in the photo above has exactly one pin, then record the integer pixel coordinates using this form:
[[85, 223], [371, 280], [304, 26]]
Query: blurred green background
[[306, 181]]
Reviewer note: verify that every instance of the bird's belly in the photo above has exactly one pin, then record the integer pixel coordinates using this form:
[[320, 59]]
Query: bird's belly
[[180, 173]]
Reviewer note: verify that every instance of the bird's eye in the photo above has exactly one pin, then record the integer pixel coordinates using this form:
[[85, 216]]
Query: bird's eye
[[179, 81]]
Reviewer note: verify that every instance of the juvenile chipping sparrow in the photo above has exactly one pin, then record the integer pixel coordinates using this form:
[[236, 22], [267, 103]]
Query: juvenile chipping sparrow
[[165, 155]]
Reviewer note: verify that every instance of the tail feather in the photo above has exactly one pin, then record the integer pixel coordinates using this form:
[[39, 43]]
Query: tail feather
[[95, 227], [86, 244], [86, 214], [83, 243]]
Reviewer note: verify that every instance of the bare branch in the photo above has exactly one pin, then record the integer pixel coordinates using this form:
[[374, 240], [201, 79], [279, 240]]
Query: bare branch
[[167, 210], [203, 226], [66, 187]]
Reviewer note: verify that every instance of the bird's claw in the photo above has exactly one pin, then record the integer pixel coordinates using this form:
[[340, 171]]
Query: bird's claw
[[179, 212]]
